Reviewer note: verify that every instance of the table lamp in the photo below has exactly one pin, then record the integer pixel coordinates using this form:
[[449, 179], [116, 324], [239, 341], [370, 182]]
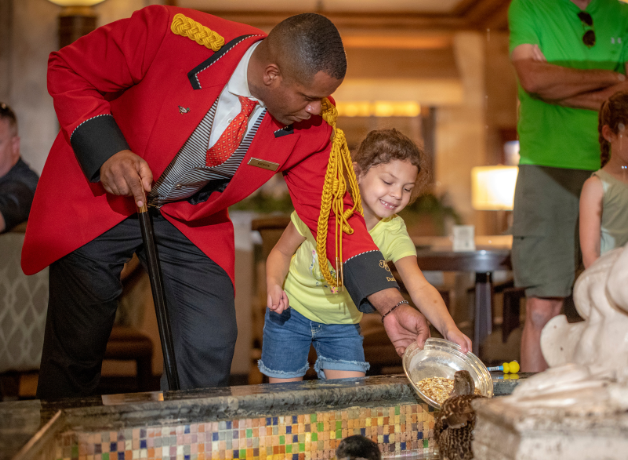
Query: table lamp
[[493, 189]]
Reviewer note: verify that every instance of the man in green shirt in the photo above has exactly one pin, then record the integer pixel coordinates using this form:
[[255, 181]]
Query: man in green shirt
[[569, 56]]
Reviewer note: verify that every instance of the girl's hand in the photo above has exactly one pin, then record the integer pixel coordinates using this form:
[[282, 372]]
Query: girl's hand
[[458, 337], [277, 299]]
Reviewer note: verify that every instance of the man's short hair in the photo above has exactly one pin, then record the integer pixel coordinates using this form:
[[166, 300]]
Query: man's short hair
[[309, 43], [6, 113]]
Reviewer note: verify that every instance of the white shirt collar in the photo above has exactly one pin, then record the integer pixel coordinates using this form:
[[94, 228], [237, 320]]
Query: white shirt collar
[[238, 83]]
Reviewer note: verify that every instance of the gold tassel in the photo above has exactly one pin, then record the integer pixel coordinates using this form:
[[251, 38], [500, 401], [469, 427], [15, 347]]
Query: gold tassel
[[339, 170], [187, 27]]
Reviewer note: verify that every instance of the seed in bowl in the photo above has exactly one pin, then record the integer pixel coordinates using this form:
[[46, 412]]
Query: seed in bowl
[[438, 388]]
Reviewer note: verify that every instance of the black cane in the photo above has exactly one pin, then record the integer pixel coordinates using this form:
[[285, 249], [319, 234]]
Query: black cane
[[159, 298]]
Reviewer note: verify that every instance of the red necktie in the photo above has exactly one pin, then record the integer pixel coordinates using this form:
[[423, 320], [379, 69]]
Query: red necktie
[[232, 136]]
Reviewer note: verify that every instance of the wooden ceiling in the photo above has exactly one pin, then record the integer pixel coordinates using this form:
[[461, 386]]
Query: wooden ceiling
[[383, 15]]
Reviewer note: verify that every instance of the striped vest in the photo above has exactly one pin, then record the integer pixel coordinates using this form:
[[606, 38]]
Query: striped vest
[[187, 174]]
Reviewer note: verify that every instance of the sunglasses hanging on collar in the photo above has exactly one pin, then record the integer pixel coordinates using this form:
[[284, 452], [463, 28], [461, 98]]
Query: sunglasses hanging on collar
[[589, 36]]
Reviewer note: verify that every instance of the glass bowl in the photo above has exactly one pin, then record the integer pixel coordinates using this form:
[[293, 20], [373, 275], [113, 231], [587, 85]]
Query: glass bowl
[[442, 358]]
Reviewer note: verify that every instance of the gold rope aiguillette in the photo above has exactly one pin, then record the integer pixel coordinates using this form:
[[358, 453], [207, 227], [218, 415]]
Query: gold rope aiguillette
[[339, 171]]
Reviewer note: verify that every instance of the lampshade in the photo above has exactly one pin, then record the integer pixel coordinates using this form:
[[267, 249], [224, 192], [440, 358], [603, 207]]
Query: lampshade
[[76, 2], [493, 187]]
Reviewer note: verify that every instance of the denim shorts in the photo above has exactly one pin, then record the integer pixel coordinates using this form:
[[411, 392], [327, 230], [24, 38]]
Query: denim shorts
[[287, 340]]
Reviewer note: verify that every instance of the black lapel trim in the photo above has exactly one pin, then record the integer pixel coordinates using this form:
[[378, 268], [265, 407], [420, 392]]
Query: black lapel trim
[[286, 130], [213, 58]]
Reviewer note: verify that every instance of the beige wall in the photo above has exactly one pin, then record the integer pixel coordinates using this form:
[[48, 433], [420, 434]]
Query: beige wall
[[501, 93], [460, 128], [501, 113], [471, 134], [31, 34]]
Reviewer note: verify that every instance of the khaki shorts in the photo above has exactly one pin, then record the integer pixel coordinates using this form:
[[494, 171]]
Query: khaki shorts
[[545, 248]]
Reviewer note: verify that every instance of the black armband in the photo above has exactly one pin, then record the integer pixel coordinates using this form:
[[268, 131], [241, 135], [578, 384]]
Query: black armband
[[95, 141], [366, 274]]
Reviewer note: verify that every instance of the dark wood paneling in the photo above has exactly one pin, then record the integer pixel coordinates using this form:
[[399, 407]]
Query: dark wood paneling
[[401, 63], [468, 14], [488, 14], [352, 20]]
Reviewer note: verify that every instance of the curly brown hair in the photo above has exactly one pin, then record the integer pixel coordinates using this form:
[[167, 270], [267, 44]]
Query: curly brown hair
[[382, 146], [614, 111]]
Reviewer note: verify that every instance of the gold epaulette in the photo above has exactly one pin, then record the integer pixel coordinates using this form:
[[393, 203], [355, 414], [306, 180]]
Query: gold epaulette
[[339, 171], [187, 27]]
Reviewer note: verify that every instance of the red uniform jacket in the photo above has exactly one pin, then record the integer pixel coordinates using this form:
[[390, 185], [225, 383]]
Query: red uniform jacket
[[122, 85]]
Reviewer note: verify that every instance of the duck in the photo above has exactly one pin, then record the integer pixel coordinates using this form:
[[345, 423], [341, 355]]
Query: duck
[[454, 423]]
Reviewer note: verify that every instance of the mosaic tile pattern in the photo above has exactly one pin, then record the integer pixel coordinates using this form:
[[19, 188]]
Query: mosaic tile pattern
[[397, 429]]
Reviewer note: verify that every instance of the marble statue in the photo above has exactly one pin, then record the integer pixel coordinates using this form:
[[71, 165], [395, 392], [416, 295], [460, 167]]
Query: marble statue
[[588, 360], [578, 408]]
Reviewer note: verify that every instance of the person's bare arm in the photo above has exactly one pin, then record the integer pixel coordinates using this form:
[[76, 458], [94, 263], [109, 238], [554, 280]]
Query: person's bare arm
[[593, 99], [277, 266], [553, 83], [590, 220], [429, 301]]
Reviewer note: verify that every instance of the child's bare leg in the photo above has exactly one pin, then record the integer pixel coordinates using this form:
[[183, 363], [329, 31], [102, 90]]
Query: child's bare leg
[[331, 374], [276, 380]]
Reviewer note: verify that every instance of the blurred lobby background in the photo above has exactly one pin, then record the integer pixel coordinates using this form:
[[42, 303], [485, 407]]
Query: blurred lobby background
[[437, 70]]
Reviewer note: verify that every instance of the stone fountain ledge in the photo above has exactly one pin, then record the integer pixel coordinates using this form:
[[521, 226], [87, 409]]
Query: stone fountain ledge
[[504, 431], [32, 422]]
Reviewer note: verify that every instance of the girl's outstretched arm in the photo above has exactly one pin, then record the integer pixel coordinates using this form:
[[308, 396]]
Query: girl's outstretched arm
[[591, 220], [277, 266], [428, 300]]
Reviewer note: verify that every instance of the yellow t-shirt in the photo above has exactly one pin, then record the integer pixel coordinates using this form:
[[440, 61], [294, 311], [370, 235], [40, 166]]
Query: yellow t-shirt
[[307, 290]]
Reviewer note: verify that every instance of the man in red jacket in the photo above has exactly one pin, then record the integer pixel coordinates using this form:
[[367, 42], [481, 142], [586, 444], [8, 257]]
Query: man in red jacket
[[190, 113]]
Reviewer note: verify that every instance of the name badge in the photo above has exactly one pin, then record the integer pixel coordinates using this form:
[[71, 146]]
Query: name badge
[[263, 164]]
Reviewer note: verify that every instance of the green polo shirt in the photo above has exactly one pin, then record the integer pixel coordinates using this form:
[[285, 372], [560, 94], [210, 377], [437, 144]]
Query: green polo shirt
[[549, 134]]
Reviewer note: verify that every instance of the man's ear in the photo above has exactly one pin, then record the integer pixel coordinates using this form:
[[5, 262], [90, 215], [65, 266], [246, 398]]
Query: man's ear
[[272, 75], [607, 132]]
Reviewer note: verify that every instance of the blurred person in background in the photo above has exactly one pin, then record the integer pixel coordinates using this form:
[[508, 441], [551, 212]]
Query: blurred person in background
[[569, 56], [17, 180]]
